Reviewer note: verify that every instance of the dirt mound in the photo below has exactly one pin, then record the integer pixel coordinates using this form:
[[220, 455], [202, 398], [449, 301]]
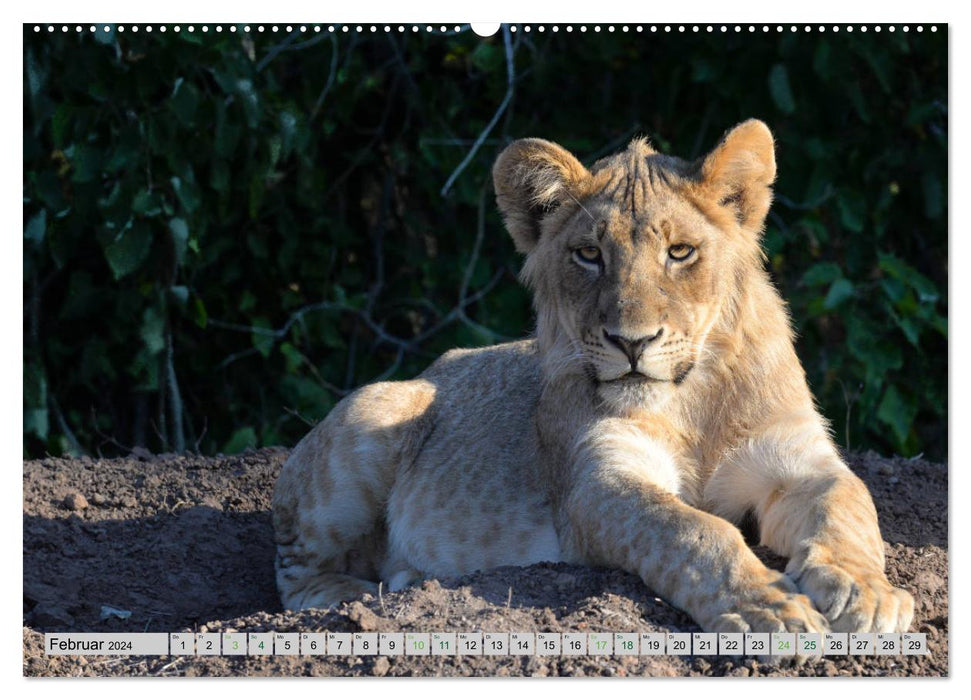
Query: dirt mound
[[184, 543]]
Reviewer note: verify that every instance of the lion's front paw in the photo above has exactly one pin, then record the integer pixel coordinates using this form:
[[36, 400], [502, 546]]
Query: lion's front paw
[[776, 607], [864, 602], [779, 607]]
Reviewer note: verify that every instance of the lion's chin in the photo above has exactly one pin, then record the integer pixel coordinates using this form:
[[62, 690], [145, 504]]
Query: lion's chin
[[631, 394]]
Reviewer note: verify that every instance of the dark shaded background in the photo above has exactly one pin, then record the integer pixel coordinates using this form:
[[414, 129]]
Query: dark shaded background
[[227, 232]]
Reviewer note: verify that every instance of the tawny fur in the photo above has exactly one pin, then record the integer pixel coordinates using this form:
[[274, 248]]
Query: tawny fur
[[660, 402]]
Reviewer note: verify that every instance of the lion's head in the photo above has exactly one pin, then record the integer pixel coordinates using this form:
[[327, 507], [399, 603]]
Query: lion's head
[[634, 261]]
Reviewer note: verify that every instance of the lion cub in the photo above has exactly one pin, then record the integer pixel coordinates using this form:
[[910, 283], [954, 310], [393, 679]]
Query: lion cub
[[660, 401]]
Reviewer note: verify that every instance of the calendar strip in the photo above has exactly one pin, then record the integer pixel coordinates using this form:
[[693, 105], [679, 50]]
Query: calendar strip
[[486, 643]]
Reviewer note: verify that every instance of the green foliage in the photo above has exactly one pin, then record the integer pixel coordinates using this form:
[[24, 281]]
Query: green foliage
[[225, 233]]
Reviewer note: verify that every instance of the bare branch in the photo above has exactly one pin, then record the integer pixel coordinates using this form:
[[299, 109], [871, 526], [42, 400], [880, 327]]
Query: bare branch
[[205, 428], [108, 438], [510, 90], [277, 50], [65, 428], [296, 414], [330, 78], [175, 396], [802, 206], [402, 346]]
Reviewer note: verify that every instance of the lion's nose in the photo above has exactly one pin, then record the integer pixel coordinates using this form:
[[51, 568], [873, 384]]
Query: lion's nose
[[632, 348]]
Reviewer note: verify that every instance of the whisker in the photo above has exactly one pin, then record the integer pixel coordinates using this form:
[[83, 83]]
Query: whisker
[[570, 195]]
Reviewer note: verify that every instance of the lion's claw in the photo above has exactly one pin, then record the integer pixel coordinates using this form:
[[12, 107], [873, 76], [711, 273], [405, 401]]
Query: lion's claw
[[856, 603]]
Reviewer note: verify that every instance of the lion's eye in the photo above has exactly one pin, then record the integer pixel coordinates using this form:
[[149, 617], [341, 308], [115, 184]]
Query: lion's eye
[[588, 254], [681, 251]]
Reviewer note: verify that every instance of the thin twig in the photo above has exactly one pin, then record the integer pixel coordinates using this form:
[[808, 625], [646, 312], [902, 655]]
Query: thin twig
[[393, 368], [288, 45], [236, 356], [65, 428], [476, 246], [458, 142], [803, 206], [296, 414], [510, 90], [702, 132], [205, 427], [612, 145], [330, 78], [402, 345], [175, 395], [368, 149], [107, 438]]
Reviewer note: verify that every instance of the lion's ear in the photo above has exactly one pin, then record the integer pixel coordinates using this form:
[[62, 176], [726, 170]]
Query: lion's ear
[[532, 177], [739, 173]]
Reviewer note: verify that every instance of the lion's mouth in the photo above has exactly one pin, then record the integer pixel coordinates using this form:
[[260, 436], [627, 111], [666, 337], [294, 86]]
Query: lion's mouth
[[633, 378]]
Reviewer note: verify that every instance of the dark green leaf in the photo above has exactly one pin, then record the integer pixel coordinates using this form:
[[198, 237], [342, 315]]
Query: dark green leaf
[[106, 37], [899, 270], [186, 193], [780, 90], [839, 291], [180, 293], [852, 209], [242, 439], [86, 162], [36, 228], [262, 340], [822, 273], [180, 237], [153, 330], [933, 195], [129, 249], [897, 411], [199, 315]]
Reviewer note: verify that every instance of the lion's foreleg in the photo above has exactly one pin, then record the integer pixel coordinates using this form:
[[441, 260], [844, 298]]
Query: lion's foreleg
[[620, 512], [828, 526], [814, 510]]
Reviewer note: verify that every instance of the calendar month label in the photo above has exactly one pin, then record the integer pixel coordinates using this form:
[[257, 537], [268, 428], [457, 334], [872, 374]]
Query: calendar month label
[[105, 644]]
